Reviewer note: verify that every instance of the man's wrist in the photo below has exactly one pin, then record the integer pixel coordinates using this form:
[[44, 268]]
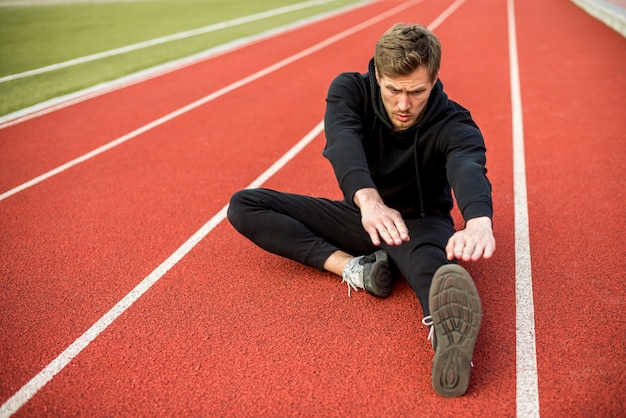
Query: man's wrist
[[363, 196], [480, 220]]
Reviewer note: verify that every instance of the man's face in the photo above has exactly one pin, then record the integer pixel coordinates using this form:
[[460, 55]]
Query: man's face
[[405, 97]]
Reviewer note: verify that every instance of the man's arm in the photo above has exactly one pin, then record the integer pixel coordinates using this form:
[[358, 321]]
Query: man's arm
[[466, 159], [343, 126], [379, 220]]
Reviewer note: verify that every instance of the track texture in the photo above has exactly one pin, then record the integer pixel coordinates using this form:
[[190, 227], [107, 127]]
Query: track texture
[[233, 331]]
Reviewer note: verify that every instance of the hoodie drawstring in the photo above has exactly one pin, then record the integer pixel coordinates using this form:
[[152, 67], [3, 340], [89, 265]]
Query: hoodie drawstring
[[417, 175]]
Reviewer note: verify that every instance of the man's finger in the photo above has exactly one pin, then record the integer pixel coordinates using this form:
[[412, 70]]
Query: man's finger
[[450, 248], [403, 231], [387, 235], [489, 250], [477, 252], [459, 246], [373, 233], [393, 234]]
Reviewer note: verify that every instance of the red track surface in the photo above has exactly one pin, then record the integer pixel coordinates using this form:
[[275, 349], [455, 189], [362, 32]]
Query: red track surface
[[232, 330]]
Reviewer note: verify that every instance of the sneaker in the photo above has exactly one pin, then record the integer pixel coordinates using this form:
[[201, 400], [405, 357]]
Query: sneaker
[[369, 272], [456, 316]]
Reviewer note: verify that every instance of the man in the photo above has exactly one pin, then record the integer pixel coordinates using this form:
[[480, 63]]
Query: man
[[397, 145]]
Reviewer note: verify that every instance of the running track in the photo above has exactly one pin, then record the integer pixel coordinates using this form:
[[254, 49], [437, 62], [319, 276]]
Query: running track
[[124, 293]]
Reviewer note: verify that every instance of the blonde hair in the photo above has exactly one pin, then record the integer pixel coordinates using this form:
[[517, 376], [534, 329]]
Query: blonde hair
[[403, 48]]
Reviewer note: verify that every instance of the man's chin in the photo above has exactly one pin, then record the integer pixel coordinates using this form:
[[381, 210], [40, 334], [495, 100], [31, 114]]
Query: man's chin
[[403, 126]]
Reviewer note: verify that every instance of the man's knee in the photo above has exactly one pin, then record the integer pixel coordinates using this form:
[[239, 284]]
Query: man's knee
[[240, 204]]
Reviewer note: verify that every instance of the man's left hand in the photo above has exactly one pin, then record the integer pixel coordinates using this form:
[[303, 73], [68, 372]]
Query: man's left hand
[[473, 242]]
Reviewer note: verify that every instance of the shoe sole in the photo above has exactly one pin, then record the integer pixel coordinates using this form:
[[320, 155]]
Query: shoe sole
[[457, 314], [379, 280]]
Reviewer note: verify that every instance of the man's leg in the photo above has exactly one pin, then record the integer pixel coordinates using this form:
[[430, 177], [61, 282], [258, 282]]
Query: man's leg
[[317, 232], [447, 291], [419, 259], [302, 228]]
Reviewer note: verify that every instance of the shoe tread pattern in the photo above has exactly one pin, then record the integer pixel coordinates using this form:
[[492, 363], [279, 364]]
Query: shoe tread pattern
[[456, 313]]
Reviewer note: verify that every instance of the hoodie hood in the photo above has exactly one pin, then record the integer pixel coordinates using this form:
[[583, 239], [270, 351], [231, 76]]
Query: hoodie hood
[[436, 101]]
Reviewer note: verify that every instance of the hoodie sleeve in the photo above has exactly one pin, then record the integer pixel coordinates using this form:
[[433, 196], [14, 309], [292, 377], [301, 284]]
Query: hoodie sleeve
[[465, 167], [346, 107]]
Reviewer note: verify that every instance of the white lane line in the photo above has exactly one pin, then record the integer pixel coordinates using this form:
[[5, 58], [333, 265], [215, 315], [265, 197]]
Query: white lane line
[[446, 13], [165, 39], [208, 98], [527, 392], [27, 391]]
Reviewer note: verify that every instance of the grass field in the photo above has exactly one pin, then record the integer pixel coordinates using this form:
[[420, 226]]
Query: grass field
[[35, 35]]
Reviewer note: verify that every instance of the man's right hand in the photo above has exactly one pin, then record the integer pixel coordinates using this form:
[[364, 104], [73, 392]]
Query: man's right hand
[[379, 220]]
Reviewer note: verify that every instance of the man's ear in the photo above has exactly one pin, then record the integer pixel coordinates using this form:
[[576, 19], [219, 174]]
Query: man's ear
[[377, 76]]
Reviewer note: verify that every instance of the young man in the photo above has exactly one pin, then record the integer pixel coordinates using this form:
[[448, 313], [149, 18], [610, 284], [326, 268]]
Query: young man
[[397, 145]]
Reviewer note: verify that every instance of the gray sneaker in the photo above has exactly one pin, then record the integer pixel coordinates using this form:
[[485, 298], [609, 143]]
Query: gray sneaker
[[369, 272], [456, 317]]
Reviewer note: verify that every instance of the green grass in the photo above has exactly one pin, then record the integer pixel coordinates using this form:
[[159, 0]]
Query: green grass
[[35, 36]]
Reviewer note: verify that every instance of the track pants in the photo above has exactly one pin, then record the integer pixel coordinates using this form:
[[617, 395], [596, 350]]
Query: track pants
[[308, 230]]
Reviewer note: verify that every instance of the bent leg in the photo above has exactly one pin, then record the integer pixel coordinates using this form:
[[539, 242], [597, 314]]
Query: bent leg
[[302, 228]]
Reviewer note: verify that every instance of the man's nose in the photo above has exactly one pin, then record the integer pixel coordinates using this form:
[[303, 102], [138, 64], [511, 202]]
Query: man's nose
[[404, 102]]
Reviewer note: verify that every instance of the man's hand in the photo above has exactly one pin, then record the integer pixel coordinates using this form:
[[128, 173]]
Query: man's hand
[[379, 220], [473, 242]]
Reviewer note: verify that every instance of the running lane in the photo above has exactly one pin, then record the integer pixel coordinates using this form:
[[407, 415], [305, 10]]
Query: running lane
[[81, 240], [75, 244], [231, 330], [572, 79]]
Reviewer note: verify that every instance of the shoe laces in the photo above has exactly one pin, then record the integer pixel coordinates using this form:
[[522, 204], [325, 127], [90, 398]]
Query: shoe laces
[[428, 321], [353, 275]]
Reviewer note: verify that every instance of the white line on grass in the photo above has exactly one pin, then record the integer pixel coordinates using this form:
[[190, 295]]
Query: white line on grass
[[527, 393], [73, 98], [26, 392], [206, 99], [164, 39], [28, 3]]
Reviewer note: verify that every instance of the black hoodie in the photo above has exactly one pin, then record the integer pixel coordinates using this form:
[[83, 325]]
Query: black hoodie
[[412, 169]]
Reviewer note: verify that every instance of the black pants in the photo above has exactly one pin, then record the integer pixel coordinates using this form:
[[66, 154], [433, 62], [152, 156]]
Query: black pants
[[308, 230]]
